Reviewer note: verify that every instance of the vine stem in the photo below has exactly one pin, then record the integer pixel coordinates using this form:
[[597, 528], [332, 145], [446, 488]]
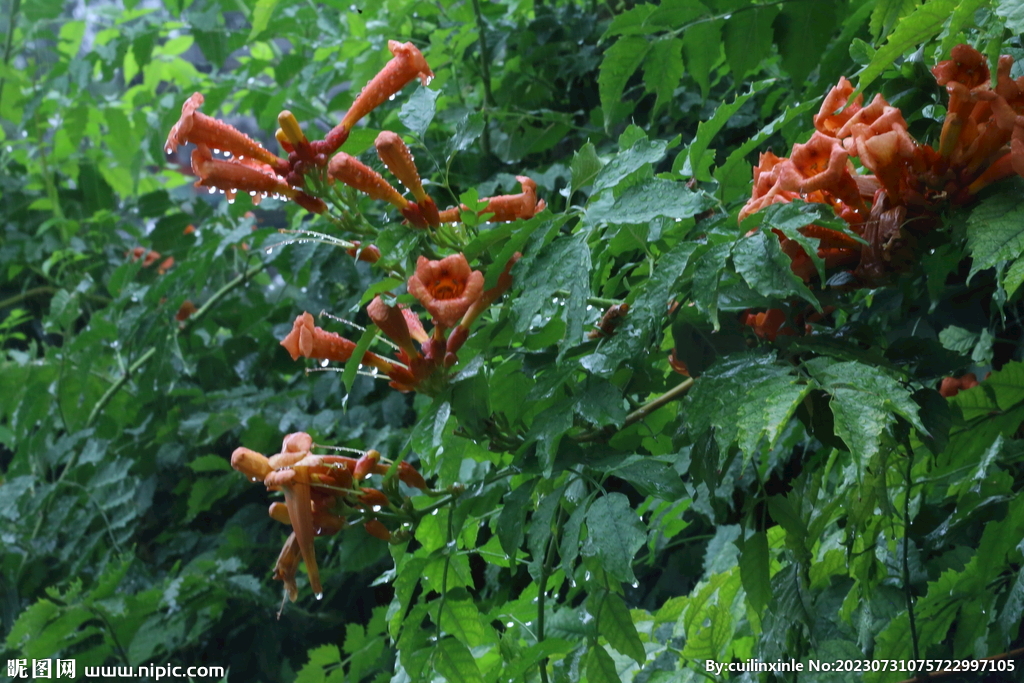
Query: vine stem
[[643, 411], [485, 68], [112, 390], [908, 594], [542, 588]]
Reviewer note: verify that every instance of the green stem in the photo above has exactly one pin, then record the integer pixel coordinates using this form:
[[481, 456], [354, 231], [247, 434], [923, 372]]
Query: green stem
[[542, 589], [907, 592], [109, 394], [485, 68], [46, 289]]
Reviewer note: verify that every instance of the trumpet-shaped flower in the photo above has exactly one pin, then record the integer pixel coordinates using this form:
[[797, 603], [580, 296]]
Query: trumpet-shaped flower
[[446, 288], [200, 129]]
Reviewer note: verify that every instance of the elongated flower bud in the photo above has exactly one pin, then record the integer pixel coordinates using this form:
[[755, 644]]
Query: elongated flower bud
[[201, 129], [355, 173]]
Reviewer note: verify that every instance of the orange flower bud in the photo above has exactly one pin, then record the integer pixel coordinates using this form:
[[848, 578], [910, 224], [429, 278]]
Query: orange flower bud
[[396, 156], [279, 513], [309, 341], [201, 129], [373, 498], [407, 474], [369, 253], [376, 528], [250, 463], [393, 323], [365, 465], [185, 311], [288, 565], [355, 173]]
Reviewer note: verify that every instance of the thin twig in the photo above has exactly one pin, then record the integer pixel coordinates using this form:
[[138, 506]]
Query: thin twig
[[542, 588], [907, 592]]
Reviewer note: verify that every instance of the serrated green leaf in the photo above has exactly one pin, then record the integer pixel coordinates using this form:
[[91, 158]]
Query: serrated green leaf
[[616, 625], [616, 533], [885, 15], [620, 62], [631, 22], [759, 259], [663, 68], [923, 23], [747, 37], [702, 50], [461, 619], [651, 477], [995, 232], [864, 399], [707, 130], [454, 661], [640, 154], [706, 278], [650, 199], [601, 666], [569, 545], [963, 16], [754, 559]]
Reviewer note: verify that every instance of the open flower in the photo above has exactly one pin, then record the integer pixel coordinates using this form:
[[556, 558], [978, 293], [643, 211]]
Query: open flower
[[200, 129], [446, 288]]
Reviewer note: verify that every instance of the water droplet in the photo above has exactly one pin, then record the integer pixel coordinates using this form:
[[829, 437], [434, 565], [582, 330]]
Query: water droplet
[[510, 624], [427, 80], [167, 150], [376, 508], [324, 363], [213, 190], [635, 584], [391, 97], [586, 577], [318, 596], [270, 250], [254, 480], [231, 200], [252, 193], [434, 512], [216, 151]]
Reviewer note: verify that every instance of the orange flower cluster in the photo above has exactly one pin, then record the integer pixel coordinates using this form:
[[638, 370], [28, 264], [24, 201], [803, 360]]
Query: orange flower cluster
[[252, 168], [454, 296], [982, 141], [320, 491], [149, 257]]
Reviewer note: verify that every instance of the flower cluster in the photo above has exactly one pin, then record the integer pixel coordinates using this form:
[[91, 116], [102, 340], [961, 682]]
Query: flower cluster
[[454, 296], [320, 492], [902, 183], [249, 167]]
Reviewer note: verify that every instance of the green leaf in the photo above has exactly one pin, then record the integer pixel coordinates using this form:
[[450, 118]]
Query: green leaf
[[701, 51], [650, 199], [864, 399], [417, 113], [261, 17], [645, 314], [616, 533], [754, 560], [601, 666], [454, 661], [707, 130], [513, 517], [563, 266], [461, 619], [632, 22], [651, 477], [642, 153], [353, 363], [885, 15], [995, 232], [569, 546], [802, 36], [615, 623], [760, 260], [663, 69], [1012, 14], [585, 166], [620, 62], [707, 276], [925, 22], [748, 38]]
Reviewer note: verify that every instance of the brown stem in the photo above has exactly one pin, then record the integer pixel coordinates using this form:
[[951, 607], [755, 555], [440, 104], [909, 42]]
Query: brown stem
[[641, 412]]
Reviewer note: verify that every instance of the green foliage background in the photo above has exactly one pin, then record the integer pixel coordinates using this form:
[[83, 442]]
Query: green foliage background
[[803, 500]]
